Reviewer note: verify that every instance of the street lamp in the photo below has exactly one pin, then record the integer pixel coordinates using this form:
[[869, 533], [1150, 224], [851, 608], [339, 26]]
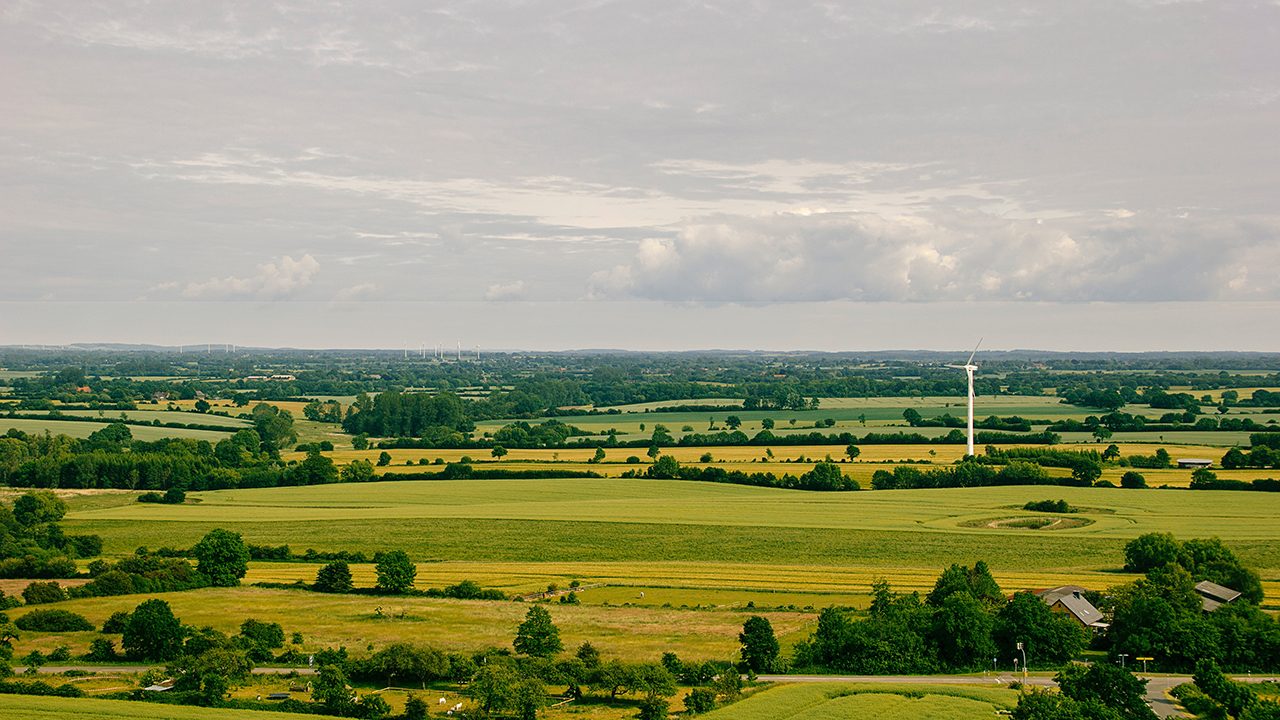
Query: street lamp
[[1122, 657], [1023, 650]]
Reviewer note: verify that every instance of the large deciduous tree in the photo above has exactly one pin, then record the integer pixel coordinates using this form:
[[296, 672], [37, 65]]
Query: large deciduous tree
[[538, 635], [222, 557]]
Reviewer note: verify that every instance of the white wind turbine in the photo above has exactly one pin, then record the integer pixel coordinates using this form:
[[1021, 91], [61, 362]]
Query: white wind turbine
[[969, 369]]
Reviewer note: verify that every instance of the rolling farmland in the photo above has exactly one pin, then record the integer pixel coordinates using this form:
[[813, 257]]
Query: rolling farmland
[[520, 534]]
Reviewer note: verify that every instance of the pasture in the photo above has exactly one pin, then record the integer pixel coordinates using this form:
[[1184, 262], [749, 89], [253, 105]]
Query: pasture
[[30, 707], [83, 429], [523, 534], [166, 416], [848, 701], [856, 415], [356, 621]]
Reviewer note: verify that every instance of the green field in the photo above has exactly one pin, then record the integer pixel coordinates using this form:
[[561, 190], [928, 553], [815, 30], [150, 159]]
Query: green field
[[849, 413], [27, 707], [82, 429], [519, 534], [165, 416], [452, 625], [852, 701]]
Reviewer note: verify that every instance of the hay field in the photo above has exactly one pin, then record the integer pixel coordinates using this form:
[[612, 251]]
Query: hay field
[[451, 625]]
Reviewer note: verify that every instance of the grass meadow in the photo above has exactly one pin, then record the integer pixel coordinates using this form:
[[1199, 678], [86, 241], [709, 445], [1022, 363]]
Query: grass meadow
[[846, 701], [29, 707], [694, 543], [356, 621], [82, 429]]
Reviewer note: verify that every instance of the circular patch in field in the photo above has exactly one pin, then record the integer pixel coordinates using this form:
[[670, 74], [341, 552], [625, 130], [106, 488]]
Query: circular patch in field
[[1029, 522]]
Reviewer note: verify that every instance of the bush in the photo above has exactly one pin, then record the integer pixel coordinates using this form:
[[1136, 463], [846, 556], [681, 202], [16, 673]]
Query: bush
[[700, 700], [38, 593], [62, 653], [116, 624], [1050, 506], [653, 709], [334, 578], [14, 687], [1133, 480], [86, 545], [53, 621], [101, 650]]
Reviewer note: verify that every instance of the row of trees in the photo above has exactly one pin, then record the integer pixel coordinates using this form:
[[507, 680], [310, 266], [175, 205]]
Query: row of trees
[[825, 476]]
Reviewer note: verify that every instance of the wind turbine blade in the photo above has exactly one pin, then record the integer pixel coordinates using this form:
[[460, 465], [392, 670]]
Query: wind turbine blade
[[975, 351]]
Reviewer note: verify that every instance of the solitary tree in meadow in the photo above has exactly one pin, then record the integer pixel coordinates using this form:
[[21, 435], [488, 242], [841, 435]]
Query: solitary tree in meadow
[[537, 635]]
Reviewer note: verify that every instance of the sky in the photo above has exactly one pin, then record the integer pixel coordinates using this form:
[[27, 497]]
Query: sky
[[656, 174]]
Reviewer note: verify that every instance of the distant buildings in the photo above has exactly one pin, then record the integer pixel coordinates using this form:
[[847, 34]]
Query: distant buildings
[[1194, 463], [1214, 596], [1070, 601]]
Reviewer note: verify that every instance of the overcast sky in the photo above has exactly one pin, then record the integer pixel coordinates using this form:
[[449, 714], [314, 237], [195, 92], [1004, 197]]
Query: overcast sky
[[854, 175]]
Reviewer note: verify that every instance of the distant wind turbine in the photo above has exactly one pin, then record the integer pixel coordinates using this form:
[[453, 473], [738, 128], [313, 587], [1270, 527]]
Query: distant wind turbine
[[969, 369]]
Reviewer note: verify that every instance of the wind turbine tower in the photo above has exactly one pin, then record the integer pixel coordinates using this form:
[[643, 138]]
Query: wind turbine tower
[[969, 369]]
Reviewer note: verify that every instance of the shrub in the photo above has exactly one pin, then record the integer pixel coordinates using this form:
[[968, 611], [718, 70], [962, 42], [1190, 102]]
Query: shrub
[[1051, 506], [116, 624], [700, 700], [334, 578], [101, 650], [38, 593], [62, 653], [14, 687], [1133, 480], [53, 621]]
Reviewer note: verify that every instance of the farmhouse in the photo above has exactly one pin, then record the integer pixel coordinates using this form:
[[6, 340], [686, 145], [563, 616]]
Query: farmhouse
[[1070, 600], [1214, 596], [1194, 463]]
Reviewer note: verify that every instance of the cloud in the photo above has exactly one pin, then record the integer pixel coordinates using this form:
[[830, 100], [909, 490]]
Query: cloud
[[505, 291], [276, 279], [949, 257], [360, 291]]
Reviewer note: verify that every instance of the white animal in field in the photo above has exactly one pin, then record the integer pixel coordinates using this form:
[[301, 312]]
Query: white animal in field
[[440, 701]]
